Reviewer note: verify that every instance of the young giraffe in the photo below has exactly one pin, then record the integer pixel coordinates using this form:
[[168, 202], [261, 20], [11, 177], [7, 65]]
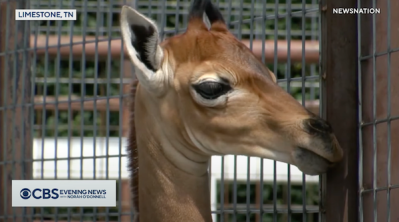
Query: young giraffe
[[204, 93]]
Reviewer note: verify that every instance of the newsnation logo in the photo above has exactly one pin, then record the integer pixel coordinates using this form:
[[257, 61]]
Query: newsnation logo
[[66, 193]]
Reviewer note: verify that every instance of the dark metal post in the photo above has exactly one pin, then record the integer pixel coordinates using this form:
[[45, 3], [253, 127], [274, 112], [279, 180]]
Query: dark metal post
[[15, 115], [340, 102]]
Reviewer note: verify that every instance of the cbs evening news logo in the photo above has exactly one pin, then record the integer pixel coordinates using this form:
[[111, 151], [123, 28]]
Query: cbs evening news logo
[[53, 193], [56, 193]]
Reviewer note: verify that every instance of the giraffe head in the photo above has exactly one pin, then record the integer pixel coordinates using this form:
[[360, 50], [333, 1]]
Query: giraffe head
[[209, 92]]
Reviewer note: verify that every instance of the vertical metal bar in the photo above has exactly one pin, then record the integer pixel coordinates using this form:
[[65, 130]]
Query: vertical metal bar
[[264, 2], [15, 79], [120, 130], [13, 107], [374, 120], [149, 8], [339, 104], [56, 118], [248, 190], [228, 21], [248, 199], [57, 86], [185, 15], [222, 190], [313, 37], [235, 190], [34, 70], [389, 110], [288, 77], [275, 64], [83, 94], [42, 127], [109, 64], [177, 25], [100, 21], [70, 70], [360, 115], [222, 184], [4, 43], [239, 36], [163, 20], [44, 102], [25, 67], [303, 75]]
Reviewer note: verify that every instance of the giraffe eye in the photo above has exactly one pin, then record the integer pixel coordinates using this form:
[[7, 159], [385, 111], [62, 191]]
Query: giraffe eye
[[211, 89]]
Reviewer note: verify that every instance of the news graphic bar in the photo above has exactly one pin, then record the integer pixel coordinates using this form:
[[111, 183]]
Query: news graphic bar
[[45, 14], [64, 193]]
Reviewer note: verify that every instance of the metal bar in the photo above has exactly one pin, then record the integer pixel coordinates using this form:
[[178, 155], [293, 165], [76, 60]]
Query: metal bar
[[339, 103], [43, 114], [83, 92], [239, 36], [263, 60], [69, 108], [303, 75], [267, 210], [90, 42], [13, 95], [374, 100], [34, 70], [99, 21], [73, 104], [108, 73], [360, 115], [378, 54], [57, 92], [15, 89], [248, 190], [228, 22], [389, 87], [121, 126], [383, 188], [288, 76], [275, 62]]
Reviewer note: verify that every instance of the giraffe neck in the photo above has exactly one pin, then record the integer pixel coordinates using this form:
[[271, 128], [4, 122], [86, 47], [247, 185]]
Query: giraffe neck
[[170, 185], [168, 193]]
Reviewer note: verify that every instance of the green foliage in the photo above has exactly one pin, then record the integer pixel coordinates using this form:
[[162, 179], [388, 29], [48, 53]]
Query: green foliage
[[294, 193]]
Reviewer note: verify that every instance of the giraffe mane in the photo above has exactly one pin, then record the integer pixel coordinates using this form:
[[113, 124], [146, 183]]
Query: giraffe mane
[[132, 151]]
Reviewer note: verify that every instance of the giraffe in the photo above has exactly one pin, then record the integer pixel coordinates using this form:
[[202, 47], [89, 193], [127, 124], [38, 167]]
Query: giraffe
[[204, 93]]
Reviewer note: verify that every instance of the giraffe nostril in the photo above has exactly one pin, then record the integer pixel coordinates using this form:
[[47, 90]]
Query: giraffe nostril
[[317, 126]]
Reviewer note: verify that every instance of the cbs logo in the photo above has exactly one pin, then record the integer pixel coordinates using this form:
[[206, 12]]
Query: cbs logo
[[45, 193], [25, 193]]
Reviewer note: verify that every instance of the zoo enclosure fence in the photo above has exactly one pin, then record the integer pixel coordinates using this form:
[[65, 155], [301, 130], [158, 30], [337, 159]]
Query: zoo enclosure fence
[[77, 108]]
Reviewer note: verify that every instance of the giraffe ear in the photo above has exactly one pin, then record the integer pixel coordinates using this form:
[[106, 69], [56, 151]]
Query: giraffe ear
[[141, 38]]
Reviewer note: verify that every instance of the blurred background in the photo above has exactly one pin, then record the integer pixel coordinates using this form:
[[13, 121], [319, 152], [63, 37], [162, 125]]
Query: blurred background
[[85, 92]]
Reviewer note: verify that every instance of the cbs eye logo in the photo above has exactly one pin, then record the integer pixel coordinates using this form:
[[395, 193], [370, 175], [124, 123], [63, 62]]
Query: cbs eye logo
[[25, 193]]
